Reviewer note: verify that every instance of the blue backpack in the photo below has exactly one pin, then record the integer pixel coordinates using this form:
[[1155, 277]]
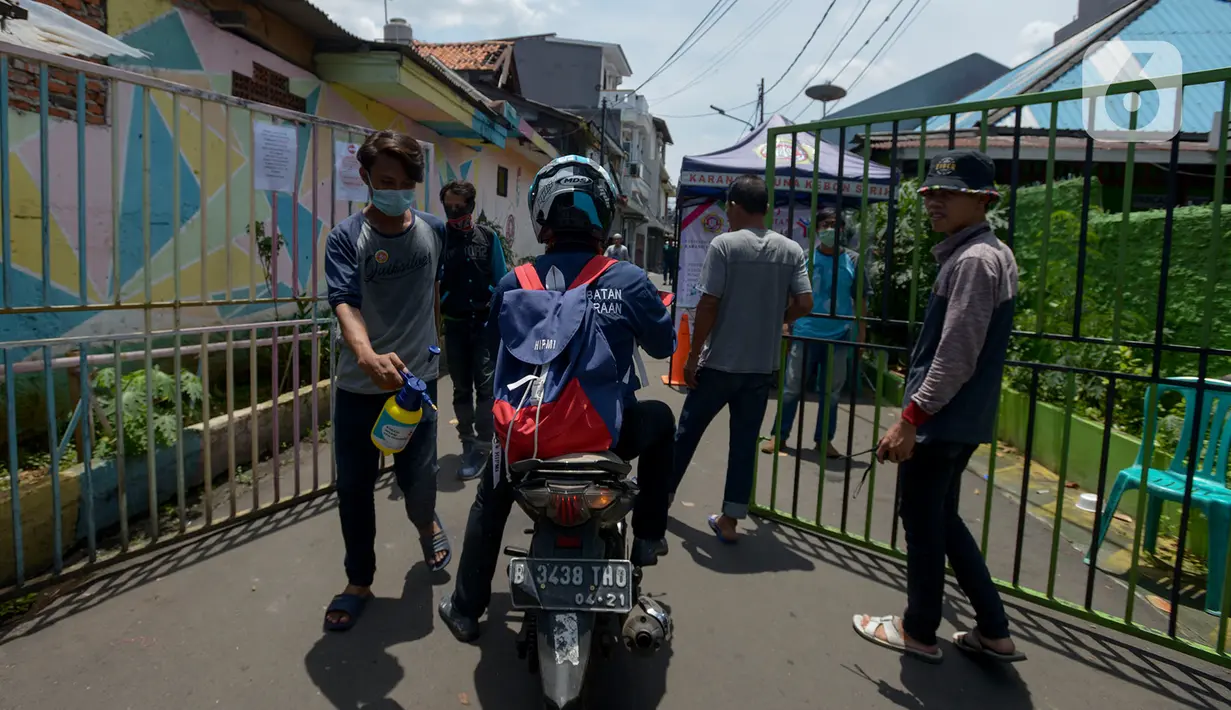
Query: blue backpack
[[556, 386]]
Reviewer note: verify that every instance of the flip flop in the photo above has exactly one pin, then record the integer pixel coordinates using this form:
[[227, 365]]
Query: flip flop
[[968, 642], [436, 544], [350, 604], [713, 521], [893, 638]]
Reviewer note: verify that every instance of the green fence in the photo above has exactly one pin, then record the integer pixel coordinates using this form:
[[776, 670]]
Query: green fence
[[1118, 349]]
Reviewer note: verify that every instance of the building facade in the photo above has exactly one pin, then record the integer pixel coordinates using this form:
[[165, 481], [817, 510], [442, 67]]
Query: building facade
[[301, 62]]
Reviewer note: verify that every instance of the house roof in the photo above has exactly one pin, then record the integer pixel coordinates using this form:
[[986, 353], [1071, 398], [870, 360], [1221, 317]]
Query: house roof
[[611, 51], [1199, 29], [938, 86], [467, 56], [661, 126]]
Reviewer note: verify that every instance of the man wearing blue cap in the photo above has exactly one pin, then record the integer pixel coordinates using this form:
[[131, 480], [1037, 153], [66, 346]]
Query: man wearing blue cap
[[952, 391]]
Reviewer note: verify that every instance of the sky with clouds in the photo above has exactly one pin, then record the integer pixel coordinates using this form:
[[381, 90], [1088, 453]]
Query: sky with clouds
[[755, 39]]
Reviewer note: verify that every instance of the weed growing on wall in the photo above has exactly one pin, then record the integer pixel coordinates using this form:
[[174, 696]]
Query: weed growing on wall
[[305, 308]]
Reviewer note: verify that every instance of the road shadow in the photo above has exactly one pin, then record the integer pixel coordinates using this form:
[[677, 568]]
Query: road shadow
[[504, 682], [758, 550], [951, 686], [90, 590], [1118, 658], [354, 669], [446, 479]]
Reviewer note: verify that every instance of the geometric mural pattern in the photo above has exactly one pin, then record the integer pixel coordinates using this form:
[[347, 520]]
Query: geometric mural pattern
[[130, 185]]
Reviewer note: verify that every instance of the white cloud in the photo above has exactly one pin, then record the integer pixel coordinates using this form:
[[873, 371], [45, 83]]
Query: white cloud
[[365, 18], [1033, 38]]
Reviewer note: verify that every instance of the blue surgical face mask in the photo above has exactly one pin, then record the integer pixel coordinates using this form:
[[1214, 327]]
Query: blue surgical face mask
[[826, 237], [393, 202]]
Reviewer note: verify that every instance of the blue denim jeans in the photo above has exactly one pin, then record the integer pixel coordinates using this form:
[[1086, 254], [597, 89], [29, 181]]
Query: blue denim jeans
[[747, 395], [805, 365], [930, 485]]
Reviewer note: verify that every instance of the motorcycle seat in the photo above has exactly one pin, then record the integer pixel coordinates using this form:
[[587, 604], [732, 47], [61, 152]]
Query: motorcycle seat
[[604, 461]]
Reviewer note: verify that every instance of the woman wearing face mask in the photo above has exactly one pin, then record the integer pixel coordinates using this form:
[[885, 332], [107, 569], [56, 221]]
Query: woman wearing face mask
[[812, 355], [381, 266]]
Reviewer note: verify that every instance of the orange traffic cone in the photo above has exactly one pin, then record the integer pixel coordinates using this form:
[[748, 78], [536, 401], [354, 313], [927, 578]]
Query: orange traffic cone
[[680, 356]]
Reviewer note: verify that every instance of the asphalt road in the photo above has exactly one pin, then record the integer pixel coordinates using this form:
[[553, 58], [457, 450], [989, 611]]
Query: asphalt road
[[234, 621]]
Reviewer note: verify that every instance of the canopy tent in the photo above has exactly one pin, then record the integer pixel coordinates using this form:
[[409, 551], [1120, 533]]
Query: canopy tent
[[709, 175]]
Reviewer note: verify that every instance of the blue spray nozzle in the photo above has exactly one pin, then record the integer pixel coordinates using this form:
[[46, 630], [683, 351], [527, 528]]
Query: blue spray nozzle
[[413, 392], [432, 352]]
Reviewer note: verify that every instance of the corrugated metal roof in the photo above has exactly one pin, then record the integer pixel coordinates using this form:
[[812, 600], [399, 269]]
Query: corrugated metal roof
[[1020, 79], [1199, 29], [1201, 32]]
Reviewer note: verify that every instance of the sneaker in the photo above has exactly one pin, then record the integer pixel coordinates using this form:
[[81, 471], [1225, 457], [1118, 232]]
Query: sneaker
[[467, 471], [768, 446]]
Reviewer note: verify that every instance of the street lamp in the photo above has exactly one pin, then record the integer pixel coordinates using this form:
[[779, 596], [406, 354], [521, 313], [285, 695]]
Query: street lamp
[[720, 112], [825, 93]]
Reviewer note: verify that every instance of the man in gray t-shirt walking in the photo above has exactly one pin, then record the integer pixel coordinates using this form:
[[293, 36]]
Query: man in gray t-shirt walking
[[752, 281], [381, 265]]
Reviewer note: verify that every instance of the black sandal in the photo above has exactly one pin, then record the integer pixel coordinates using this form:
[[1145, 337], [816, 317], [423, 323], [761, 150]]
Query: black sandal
[[435, 544]]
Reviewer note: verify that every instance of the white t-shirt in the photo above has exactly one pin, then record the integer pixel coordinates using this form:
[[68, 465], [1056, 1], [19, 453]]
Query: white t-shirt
[[619, 252]]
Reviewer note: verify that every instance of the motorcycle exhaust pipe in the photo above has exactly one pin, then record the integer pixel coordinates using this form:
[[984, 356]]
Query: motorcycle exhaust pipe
[[648, 627]]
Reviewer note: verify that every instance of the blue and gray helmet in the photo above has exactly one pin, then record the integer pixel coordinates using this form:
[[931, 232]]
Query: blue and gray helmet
[[572, 194]]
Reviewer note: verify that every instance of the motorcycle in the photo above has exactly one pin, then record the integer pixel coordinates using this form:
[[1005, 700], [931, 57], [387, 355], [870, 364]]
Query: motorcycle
[[575, 584]]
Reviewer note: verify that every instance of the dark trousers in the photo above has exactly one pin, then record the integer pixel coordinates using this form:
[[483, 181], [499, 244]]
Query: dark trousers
[[358, 462], [647, 435], [470, 369], [930, 483], [747, 395]]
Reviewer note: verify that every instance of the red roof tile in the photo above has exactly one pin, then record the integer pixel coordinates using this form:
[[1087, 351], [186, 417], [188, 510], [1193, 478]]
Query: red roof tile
[[467, 56]]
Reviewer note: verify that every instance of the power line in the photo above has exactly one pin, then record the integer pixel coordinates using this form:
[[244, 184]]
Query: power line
[[817, 73], [803, 48], [685, 46], [889, 42], [718, 59], [699, 37], [685, 41], [910, 24], [868, 41]]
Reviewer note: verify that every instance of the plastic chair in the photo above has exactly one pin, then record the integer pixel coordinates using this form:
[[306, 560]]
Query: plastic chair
[[1209, 493]]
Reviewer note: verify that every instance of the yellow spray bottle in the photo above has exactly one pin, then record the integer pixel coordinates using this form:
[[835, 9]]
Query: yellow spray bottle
[[403, 412]]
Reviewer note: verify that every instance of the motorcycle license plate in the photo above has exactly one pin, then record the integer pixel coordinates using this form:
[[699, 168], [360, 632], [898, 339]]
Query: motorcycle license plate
[[572, 585]]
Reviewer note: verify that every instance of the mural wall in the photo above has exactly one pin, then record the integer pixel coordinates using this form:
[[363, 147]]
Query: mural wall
[[197, 242]]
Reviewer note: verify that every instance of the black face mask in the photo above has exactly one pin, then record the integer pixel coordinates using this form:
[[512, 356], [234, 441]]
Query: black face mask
[[456, 212]]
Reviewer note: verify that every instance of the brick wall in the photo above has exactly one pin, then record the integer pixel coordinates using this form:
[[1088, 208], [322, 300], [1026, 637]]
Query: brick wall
[[62, 84]]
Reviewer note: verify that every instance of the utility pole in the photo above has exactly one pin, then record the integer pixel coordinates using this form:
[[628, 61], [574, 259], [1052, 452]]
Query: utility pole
[[602, 141], [761, 100]]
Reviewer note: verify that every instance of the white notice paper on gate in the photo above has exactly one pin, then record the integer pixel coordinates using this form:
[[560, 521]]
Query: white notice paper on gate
[[274, 156], [347, 185]]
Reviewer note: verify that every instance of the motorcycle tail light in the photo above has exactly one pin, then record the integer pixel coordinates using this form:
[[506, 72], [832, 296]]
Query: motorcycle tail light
[[599, 497], [568, 508], [568, 505]]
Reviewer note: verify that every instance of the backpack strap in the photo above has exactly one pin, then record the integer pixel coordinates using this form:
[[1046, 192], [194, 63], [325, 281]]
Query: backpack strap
[[595, 268], [529, 278]]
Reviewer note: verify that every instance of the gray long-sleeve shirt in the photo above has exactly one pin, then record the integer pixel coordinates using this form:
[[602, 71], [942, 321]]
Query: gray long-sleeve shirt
[[958, 361]]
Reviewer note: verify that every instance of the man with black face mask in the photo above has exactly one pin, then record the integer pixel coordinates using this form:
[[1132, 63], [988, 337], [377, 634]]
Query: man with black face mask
[[472, 265]]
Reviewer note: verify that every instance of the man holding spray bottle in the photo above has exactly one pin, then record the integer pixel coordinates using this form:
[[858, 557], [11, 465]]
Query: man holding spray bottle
[[381, 265]]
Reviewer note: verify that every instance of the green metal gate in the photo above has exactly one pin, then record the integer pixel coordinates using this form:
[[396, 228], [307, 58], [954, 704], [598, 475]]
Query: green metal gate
[[1112, 305]]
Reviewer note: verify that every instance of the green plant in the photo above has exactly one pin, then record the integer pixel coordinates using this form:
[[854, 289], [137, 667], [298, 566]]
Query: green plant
[[305, 308], [134, 411]]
